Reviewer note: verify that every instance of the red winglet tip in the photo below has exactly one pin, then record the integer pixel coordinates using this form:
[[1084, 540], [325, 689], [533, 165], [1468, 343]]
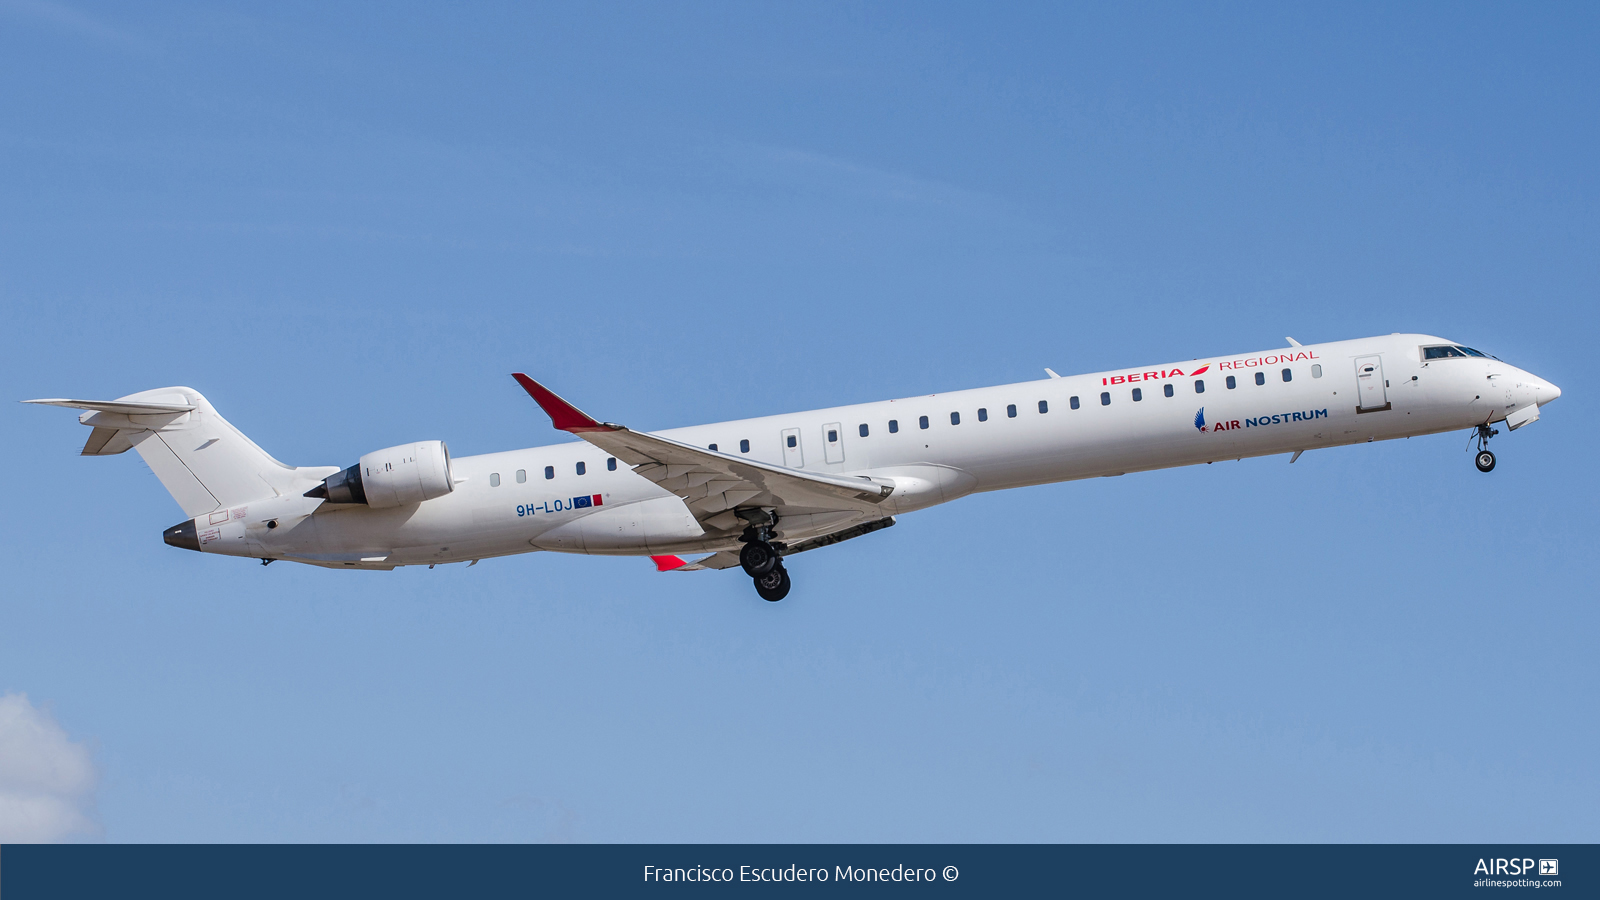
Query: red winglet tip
[[668, 563], [563, 415]]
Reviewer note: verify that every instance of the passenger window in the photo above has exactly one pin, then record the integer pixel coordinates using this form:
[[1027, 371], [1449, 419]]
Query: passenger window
[[1044, 407], [1137, 395], [522, 476], [549, 472], [833, 436], [1073, 402], [955, 418], [1166, 389], [894, 426], [1261, 378], [983, 414], [1199, 386], [1011, 411], [922, 422], [494, 479], [1105, 398], [1232, 382], [744, 446], [611, 464], [582, 469], [712, 448], [1316, 370], [793, 440], [1288, 374], [863, 429]]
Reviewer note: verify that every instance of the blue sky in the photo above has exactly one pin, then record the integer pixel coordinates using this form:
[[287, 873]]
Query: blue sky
[[346, 225]]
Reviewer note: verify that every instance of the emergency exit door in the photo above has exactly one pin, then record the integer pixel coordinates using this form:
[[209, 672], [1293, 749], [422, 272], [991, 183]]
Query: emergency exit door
[[833, 443], [1370, 386], [792, 456]]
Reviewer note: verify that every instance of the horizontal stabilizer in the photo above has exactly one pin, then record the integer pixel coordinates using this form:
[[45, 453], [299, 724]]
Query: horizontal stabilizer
[[118, 406]]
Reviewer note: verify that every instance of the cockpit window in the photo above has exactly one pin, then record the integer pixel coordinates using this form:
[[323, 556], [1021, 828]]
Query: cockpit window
[[1452, 352]]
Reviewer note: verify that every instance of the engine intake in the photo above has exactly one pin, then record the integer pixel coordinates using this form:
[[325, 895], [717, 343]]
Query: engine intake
[[396, 476]]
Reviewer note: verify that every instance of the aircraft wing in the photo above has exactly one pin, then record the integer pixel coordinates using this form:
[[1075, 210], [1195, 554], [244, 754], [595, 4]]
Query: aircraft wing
[[713, 484]]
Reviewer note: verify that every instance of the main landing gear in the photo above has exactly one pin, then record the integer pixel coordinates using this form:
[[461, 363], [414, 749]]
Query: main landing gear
[[774, 585], [1484, 459], [763, 562]]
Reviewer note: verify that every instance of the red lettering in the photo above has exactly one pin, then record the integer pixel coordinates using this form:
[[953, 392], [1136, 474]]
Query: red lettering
[[1234, 424], [1116, 379], [1152, 376]]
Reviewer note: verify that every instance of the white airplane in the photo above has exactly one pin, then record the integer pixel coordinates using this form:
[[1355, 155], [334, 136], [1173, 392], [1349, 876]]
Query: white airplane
[[753, 492]]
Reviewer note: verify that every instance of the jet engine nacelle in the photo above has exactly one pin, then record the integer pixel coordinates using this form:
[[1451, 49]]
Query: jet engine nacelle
[[409, 473]]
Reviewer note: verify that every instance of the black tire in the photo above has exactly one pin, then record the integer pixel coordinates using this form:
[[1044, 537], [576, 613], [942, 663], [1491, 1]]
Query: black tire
[[758, 558], [1484, 461], [774, 585]]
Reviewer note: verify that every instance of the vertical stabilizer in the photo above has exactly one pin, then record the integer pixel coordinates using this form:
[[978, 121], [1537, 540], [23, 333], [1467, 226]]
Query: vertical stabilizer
[[202, 460]]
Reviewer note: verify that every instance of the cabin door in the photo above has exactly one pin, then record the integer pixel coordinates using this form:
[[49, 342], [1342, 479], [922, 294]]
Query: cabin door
[[833, 443], [1370, 386], [791, 448]]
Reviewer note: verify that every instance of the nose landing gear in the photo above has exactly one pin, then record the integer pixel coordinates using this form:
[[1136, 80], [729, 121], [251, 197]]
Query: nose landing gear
[[1485, 459]]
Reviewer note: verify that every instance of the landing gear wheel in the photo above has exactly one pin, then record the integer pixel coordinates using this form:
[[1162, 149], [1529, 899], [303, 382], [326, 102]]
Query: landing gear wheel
[[758, 558], [774, 585], [1484, 461]]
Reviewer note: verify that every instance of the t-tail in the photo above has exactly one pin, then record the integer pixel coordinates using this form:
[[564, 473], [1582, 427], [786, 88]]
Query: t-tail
[[203, 461]]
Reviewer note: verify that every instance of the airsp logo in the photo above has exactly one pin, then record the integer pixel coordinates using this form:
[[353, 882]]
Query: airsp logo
[[1515, 867]]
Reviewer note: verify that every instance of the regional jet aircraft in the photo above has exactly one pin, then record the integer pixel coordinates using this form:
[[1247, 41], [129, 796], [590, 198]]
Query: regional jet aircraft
[[754, 492]]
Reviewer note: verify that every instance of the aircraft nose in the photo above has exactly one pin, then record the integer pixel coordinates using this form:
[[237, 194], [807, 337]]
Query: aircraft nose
[[1546, 392]]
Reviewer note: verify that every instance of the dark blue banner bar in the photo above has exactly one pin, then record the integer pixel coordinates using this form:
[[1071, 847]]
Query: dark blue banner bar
[[923, 870]]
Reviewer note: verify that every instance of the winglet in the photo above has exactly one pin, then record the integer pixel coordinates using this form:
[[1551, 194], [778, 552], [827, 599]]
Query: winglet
[[563, 415], [668, 563]]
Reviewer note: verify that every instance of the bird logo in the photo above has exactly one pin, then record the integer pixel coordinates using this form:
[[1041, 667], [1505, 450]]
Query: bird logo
[[1200, 419]]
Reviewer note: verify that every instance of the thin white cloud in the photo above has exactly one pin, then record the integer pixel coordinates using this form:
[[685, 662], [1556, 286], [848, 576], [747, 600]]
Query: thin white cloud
[[71, 21], [47, 782], [845, 175]]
